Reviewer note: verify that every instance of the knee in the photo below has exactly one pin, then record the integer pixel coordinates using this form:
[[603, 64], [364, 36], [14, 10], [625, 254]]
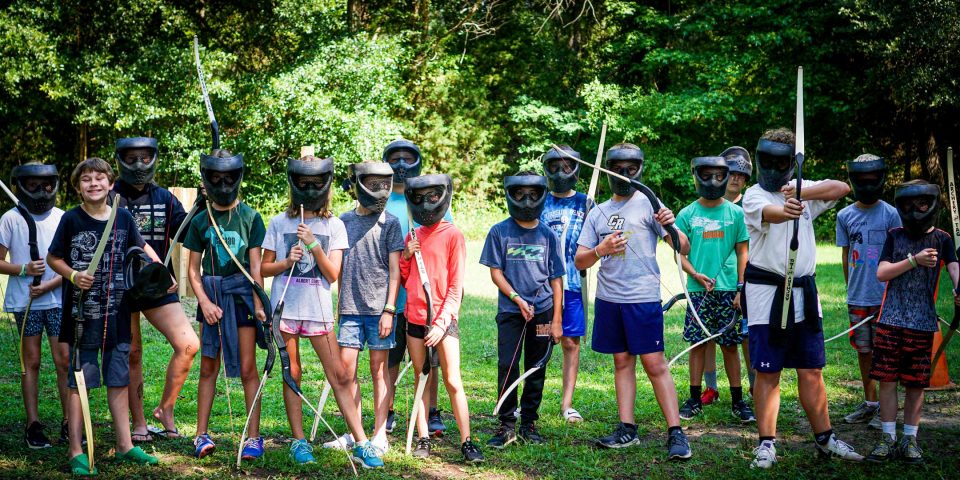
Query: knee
[[136, 357], [208, 371], [728, 349], [31, 362], [248, 373], [570, 344], [187, 348], [454, 385], [656, 369], [623, 362]]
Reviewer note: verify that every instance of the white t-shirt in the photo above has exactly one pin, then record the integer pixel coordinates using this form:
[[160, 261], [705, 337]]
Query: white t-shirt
[[309, 295], [770, 247], [15, 236]]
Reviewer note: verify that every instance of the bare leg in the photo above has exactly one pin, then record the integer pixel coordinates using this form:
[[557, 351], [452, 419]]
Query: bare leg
[[913, 406], [341, 382], [291, 401], [61, 360], [29, 384], [745, 348], [766, 395], [75, 424], [449, 351], [697, 362], [571, 365], [625, 383], [206, 389], [119, 408], [173, 324], [249, 376], [655, 365], [433, 385], [869, 385], [710, 358], [135, 389], [418, 353], [393, 372], [731, 364], [348, 358], [378, 370], [813, 398], [889, 403]]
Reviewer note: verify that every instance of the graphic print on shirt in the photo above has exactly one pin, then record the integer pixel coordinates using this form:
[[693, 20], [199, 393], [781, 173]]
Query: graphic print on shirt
[[306, 271], [615, 223], [868, 251], [233, 239], [710, 228], [522, 252], [96, 305], [151, 221]]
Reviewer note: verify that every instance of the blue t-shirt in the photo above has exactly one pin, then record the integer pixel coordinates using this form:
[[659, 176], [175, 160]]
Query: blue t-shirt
[[909, 300], [529, 259], [397, 206], [557, 214], [864, 230]]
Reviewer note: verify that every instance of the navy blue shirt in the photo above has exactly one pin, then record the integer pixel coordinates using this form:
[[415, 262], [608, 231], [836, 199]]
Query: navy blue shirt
[[529, 259], [157, 213]]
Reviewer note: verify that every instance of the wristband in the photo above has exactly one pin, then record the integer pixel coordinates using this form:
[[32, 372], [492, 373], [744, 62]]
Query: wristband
[[72, 275], [596, 251], [23, 270], [390, 309], [513, 295], [911, 260], [314, 244], [739, 286]]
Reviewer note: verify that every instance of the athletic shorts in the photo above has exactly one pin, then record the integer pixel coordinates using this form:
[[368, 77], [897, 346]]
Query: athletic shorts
[[359, 330], [634, 328], [902, 355], [397, 352], [305, 328], [39, 320], [134, 306], [803, 348], [115, 369], [861, 338], [716, 311], [574, 320], [420, 331]]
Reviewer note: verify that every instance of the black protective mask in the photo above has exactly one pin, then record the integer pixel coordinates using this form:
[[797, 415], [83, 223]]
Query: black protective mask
[[428, 208], [558, 180], [225, 191], [867, 190], [141, 171], [775, 164], [372, 199], [401, 169], [38, 199], [313, 194], [619, 186], [145, 279], [710, 188], [915, 221], [530, 206]]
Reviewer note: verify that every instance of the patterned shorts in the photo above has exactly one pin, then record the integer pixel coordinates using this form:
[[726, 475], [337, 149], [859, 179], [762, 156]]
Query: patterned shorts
[[901, 354], [716, 310], [861, 338], [40, 319]]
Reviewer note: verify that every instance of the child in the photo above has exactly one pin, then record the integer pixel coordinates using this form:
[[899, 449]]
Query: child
[[628, 315], [225, 297], [769, 209], [158, 214], [303, 281], [564, 212], [443, 250], [37, 186], [910, 263], [716, 230], [523, 255], [368, 289], [97, 298], [861, 230]]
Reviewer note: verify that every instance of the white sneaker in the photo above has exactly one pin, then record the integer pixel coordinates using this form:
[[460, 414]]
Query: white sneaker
[[343, 442], [764, 456], [839, 449], [381, 444]]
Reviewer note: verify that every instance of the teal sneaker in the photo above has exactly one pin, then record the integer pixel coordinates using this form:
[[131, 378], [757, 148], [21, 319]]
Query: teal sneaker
[[301, 451], [367, 455]]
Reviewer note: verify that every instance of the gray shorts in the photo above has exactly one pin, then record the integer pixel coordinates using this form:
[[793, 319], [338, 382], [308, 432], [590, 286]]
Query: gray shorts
[[359, 330], [115, 369], [39, 320]]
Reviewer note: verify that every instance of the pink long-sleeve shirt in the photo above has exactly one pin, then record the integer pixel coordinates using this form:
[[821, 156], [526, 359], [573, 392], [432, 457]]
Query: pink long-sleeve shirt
[[444, 252]]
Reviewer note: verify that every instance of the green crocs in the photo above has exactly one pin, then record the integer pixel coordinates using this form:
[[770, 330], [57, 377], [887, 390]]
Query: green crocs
[[80, 466], [137, 456]]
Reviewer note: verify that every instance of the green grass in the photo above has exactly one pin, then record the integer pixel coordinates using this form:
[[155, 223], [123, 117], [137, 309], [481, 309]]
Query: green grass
[[721, 446]]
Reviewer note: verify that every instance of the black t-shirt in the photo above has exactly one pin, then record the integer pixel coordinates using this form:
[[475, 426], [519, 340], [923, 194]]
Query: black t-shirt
[[909, 300], [75, 242], [157, 213]]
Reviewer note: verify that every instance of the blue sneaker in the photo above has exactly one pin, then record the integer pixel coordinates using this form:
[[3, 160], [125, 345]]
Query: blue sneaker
[[367, 455], [252, 448], [301, 451], [203, 445], [435, 423]]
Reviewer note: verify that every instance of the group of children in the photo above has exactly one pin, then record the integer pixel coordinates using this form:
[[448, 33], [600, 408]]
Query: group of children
[[399, 263]]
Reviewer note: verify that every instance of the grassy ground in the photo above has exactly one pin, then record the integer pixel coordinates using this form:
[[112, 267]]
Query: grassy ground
[[721, 446]]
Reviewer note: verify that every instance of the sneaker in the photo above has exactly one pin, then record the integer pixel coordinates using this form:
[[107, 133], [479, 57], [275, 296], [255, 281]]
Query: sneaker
[[691, 408], [502, 437], [623, 436], [391, 421], [471, 452], [343, 442], [35, 437], [381, 444], [435, 423], [839, 449], [764, 456], [252, 449], [909, 451], [64, 432], [367, 456], [678, 448], [516, 413], [529, 434], [709, 396], [80, 466], [885, 450], [203, 445], [875, 423], [423, 448], [743, 412], [302, 451], [862, 414]]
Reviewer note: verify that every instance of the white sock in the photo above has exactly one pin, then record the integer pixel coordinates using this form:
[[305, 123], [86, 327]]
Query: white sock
[[910, 429], [890, 428], [872, 404]]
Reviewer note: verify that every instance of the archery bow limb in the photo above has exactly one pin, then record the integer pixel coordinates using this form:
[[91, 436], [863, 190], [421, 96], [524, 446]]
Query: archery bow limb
[[955, 221], [720, 332], [431, 358], [591, 202], [794, 243], [852, 328], [214, 127]]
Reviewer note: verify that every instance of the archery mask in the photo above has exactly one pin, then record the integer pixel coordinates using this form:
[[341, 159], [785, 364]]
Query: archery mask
[[404, 158], [372, 184], [738, 159], [561, 171], [775, 164], [918, 205], [627, 160], [37, 185], [711, 175], [868, 173], [145, 279], [526, 196], [310, 182], [222, 177], [137, 158], [428, 197]]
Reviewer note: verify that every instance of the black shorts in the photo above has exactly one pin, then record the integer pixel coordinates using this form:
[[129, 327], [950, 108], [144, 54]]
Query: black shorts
[[397, 352], [902, 355], [420, 331], [134, 306]]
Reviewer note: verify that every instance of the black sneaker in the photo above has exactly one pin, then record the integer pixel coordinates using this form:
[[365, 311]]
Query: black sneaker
[[471, 453], [391, 421], [743, 412], [64, 432], [691, 408], [502, 437], [623, 436], [677, 446], [423, 448], [529, 434], [36, 439], [435, 423]]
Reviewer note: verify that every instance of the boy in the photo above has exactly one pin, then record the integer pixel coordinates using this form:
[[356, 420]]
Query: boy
[[97, 299], [716, 230], [564, 212], [910, 263], [861, 230], [523, 255], [628, 313], [769, 209], [31, 286]]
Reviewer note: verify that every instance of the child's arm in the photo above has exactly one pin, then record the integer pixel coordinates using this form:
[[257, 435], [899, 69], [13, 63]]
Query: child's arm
[[393, 285], [702, 279], [211, 312], [743, 253], [790, 210], [500, 280], [665, 218], [556, 326], [846, 265], [80, 278], [33, 269], [826, 190], [254, 255], [887, 271]]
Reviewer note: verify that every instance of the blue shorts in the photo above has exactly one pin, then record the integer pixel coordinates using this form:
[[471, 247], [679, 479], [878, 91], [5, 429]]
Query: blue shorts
[[359, 330], [635, 328], [115, 370], [803, 348], [574, 321], [39, 320]]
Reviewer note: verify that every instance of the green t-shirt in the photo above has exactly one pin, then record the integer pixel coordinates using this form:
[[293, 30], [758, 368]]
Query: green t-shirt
[[242, 228], [714, 234]]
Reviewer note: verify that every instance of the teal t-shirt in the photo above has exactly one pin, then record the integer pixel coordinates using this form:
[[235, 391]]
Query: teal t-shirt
[[242, 227], [714, 234], [397, 206]]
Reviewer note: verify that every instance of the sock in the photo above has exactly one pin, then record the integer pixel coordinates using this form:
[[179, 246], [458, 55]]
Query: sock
[[695, 392], [872, 404], [890, 428], [670, 430], [772, 440], [710, 378], [910, 429], [630, 426], [736, 395], [823, 438]]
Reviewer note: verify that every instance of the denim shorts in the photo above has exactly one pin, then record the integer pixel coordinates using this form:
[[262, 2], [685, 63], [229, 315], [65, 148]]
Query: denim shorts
[[114, 372], [359, 330]]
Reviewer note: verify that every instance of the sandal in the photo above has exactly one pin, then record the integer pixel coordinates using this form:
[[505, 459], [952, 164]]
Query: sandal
[[142, 437], [164, 433], [571, 415]]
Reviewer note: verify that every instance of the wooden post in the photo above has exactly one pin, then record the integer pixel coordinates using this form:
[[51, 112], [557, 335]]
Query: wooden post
[[181, 256]]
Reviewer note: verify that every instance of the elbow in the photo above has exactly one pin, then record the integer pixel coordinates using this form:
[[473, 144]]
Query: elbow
[[842, 189]]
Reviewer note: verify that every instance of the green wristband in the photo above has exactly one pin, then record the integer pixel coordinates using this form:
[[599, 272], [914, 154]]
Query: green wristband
[[314, 244]]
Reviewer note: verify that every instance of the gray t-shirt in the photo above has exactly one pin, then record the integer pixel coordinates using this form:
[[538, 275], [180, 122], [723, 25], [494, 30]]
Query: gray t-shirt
[[632, 276], [15, 235], [366, 262], [864, 230], [308, 297], [529, 259]]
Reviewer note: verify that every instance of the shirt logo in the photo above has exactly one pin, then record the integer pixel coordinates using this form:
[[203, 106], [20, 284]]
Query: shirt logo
[[615, 222], [526, 253]]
